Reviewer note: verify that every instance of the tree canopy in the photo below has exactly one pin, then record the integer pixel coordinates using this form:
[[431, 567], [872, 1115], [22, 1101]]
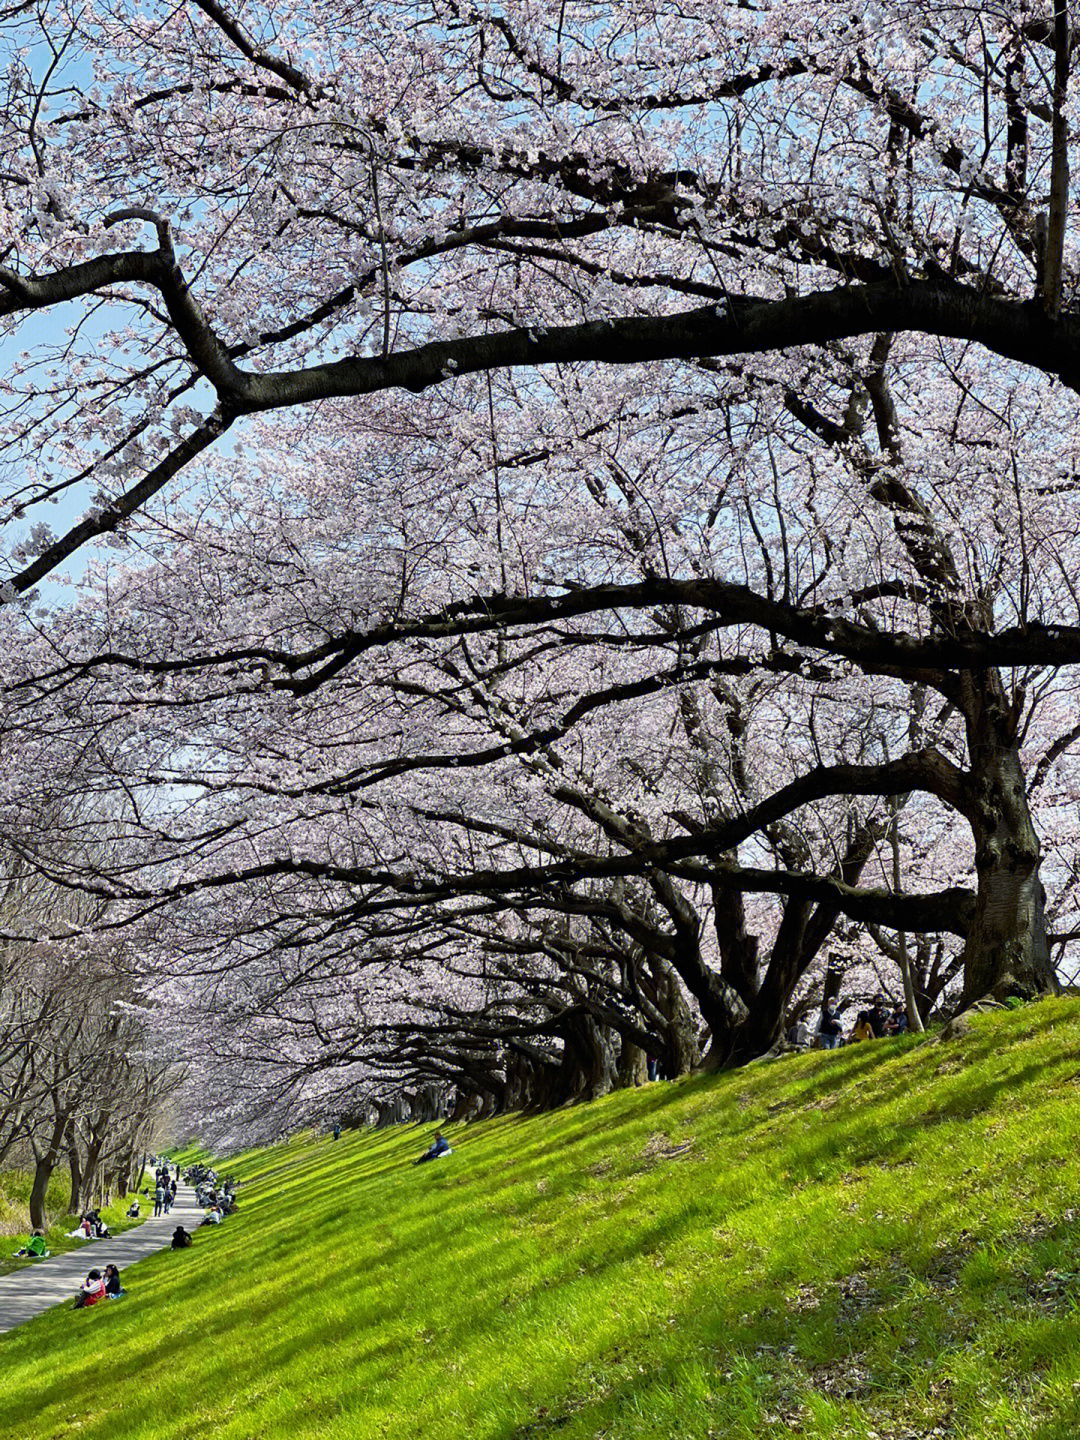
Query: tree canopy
[[573, 518]]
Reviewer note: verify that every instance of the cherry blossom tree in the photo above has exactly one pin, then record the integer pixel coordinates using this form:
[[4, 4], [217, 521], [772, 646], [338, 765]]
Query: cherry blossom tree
[[649, 472]]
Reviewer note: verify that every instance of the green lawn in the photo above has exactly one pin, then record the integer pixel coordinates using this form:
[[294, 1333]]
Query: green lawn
[[882, 1242]]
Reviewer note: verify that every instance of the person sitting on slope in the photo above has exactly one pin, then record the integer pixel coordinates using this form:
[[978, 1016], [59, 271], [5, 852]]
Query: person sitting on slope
[[91, 1290], [181, 1239], [864, 1030], [35, 1246], [439, 1148], [113, 1288], [97, 1229]]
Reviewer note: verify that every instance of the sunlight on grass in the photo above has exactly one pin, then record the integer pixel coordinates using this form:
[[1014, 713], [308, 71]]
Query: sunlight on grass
[[882, 1241]]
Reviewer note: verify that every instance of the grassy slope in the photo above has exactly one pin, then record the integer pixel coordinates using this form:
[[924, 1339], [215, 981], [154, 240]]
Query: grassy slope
[[878, 1242]]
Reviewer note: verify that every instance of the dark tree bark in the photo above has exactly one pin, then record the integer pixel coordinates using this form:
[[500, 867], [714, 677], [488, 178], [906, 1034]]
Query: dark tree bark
[[1006, 953], [75, 1170], [45, 1162]]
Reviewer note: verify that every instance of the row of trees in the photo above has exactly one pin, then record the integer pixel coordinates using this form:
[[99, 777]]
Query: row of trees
[[82, 1081], [638, 580]]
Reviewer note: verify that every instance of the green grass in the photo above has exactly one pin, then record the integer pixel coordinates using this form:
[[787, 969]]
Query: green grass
[[881, 1242]]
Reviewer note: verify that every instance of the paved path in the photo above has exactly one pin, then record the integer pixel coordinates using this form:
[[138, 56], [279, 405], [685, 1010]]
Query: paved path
[[35, 1288]]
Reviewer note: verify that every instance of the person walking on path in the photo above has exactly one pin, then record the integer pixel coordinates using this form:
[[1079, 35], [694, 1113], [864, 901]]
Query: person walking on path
[[831, 1028]]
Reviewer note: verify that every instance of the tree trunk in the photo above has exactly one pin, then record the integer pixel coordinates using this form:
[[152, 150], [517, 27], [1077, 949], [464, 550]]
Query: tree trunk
[[90, 1171], [588, 1060], [631, 1068], [1006, 953], [911, 1004], [43, 1170], [44, 1165], [75, 1170]]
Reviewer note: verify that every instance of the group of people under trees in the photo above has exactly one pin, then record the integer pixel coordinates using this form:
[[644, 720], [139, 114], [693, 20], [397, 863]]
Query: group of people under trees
[[881, 1019], [164, 1190], [216, 1195], [90, 1227]]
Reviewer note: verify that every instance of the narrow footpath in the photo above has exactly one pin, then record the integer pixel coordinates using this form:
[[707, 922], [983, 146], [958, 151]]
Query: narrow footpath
[[36, 1288]]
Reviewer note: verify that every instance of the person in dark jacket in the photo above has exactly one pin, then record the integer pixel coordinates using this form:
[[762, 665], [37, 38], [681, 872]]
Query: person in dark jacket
[[113, 1288], [438, 1149], [181, 1239], [831, 1028]]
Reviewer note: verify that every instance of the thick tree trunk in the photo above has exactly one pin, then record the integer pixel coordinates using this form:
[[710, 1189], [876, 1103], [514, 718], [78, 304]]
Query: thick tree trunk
[[45, 1162], [489, 1105], [43, 1170], [803, 931], [463, 1104], [589, 1061], [631, 1068], [527, 1082], [1006, 953]]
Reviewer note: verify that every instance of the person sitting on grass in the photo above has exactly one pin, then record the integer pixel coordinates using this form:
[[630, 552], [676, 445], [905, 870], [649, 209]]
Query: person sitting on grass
[[98, 1229], [35, 1246], [864, 1030], [439, 1148], [133, 1210], [180, 1238], [213, 1216], [91, 1290], [113, 1288], [800, 1034]]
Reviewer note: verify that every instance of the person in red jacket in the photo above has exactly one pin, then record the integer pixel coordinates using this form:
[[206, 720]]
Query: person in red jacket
[[91, 1290]]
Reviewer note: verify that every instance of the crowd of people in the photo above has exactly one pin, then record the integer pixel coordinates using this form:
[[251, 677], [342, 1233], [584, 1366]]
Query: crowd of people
[[881, 1019], [216, 1195], [164, 1188]]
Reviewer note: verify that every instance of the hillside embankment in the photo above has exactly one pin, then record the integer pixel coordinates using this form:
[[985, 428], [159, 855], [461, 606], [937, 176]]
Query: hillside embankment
[[879, 1242]]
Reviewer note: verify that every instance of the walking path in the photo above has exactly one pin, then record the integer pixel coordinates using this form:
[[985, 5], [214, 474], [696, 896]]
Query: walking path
[[34, 1289]]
